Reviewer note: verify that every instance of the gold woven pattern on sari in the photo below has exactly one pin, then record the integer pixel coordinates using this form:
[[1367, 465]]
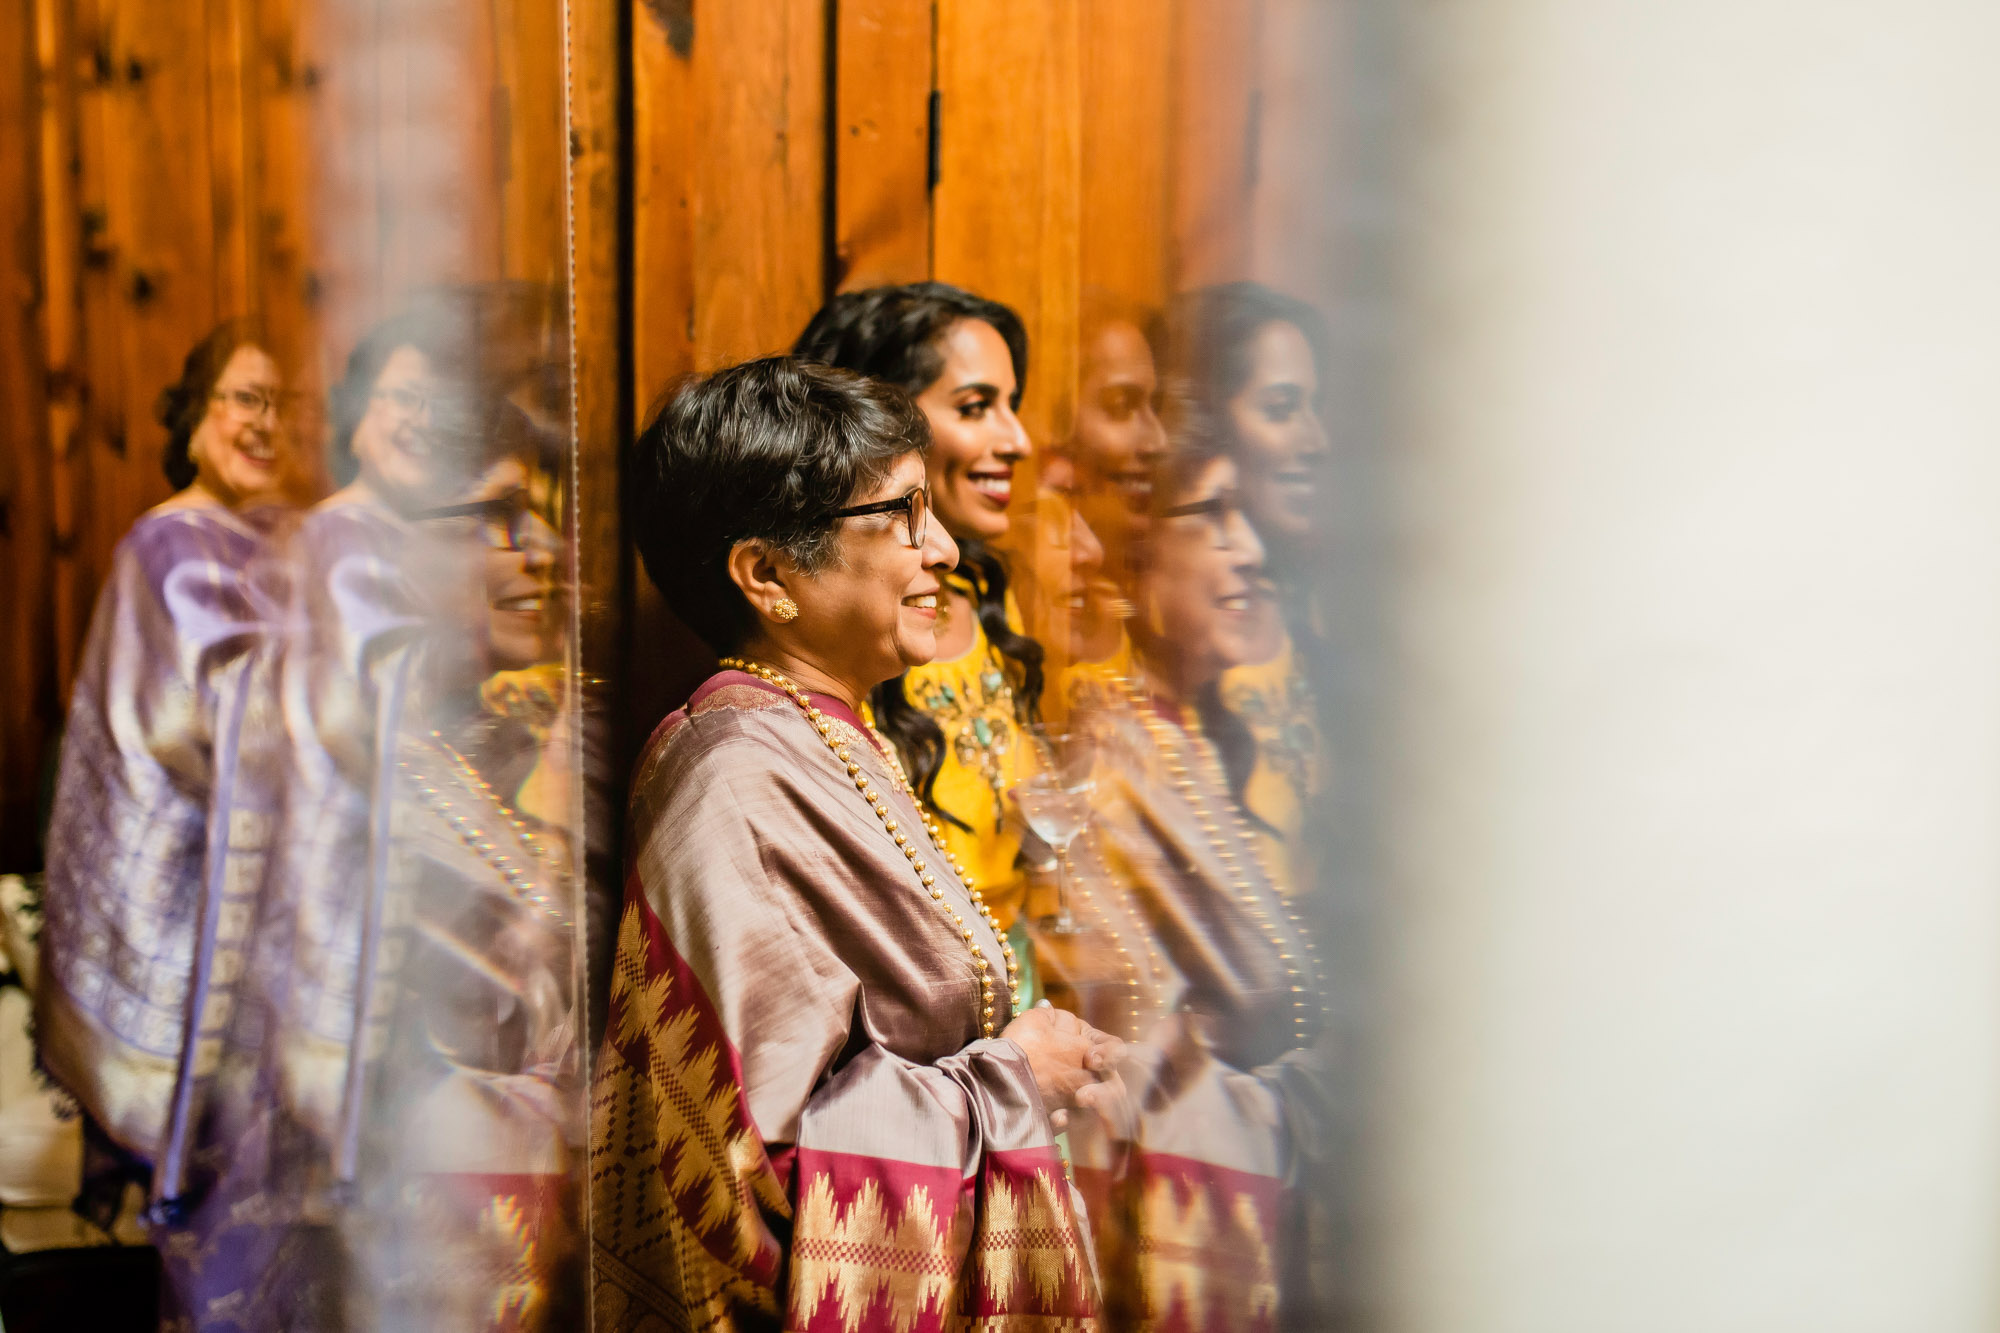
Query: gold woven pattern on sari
[[1027, 1231], [863, 1254], [792, 1018], [1206, 1252], [674, 1108]]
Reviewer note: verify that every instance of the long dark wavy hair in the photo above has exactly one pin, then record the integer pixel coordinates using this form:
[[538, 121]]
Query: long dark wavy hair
[[894, 334]]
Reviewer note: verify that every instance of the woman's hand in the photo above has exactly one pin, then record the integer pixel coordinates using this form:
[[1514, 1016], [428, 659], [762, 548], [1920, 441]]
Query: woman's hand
[[1068, 1058]]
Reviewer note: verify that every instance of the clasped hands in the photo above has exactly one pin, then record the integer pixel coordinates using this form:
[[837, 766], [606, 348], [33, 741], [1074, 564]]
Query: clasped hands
[[1075, 1066]]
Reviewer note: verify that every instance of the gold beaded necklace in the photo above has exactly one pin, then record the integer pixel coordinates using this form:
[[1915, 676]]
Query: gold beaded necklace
[[530, 882], [925, 875], [1302, 980], [1118, 925]]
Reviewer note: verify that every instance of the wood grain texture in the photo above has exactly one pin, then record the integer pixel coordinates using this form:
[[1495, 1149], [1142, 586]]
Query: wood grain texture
[[1008, 202], [528, 121], [1126, 100], [1216, 81], [151, 292], [233, 112], [27, 664], [63, 238], [1295, 240], [663, 203], [881, 142], [730, 193], [599, 175], [280, 142], [760, 176]]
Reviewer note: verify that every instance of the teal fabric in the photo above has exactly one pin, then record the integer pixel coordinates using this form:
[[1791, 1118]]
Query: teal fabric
[[1028, 985]]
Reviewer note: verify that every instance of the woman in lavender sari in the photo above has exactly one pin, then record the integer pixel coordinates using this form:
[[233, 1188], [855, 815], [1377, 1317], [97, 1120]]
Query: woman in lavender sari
[[290, 1230], [154, 839], [812, 1110]]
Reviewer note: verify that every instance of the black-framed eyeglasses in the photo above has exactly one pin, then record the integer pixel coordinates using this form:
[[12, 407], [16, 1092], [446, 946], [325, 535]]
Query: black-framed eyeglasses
[[916, 506], [511, 521], [1216, 509]]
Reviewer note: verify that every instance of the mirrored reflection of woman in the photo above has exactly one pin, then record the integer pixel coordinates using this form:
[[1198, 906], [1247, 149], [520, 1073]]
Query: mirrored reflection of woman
[[956, 722], [303, 1217], [1105, 466], [474, 1119], [1251, 364], [1189, 948], [376, 590], [813, 1107], [152, 827]]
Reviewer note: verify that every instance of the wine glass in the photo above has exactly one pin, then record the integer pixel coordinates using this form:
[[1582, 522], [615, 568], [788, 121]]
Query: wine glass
[[1055, 800]]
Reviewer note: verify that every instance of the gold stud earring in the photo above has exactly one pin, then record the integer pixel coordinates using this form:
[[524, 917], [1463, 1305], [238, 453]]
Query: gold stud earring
[[786, 610]]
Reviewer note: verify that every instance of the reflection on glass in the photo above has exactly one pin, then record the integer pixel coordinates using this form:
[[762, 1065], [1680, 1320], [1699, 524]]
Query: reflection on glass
[[160, 839], [1068, 683], [1055, 801], [951, 962]]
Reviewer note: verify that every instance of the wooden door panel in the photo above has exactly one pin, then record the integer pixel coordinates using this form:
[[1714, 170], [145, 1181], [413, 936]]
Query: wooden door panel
[[1008, 200], [881, 141]]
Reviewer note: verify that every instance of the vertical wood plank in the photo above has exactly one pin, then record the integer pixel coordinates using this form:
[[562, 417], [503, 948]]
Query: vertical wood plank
[[881, 143], [1215, 92], [662, 295], [662, 273], [232, 111], [287, 160], [599, 38], [62, 235], [759, 122], [528, 116], [1295, 220], [1007, 206], [27, 665], [1127, 50], [146, 149], [730, 182]]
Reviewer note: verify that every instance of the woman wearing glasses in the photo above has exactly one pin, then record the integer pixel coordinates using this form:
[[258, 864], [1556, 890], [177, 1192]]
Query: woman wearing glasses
[[1189, 949], [956, 721], [474, 1107], [814, 1105], [152, 823]]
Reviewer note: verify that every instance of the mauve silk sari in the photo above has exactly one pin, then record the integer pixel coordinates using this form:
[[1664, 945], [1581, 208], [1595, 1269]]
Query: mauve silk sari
[[1205, 1221], [795, 1122]]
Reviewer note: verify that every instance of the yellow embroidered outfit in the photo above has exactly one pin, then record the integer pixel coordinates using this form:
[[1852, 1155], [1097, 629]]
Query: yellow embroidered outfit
[[1100, 684], [971, 698]]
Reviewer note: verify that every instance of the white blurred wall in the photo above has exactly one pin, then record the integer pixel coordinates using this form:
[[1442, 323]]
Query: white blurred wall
[[1694, 841]]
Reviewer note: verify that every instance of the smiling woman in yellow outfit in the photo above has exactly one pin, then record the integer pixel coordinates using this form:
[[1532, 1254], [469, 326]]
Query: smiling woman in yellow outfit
[[958, 719]]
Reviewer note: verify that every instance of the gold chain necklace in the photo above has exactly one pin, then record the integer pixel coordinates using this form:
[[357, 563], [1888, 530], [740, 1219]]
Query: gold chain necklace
[[925, 875], [1301, 982]]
